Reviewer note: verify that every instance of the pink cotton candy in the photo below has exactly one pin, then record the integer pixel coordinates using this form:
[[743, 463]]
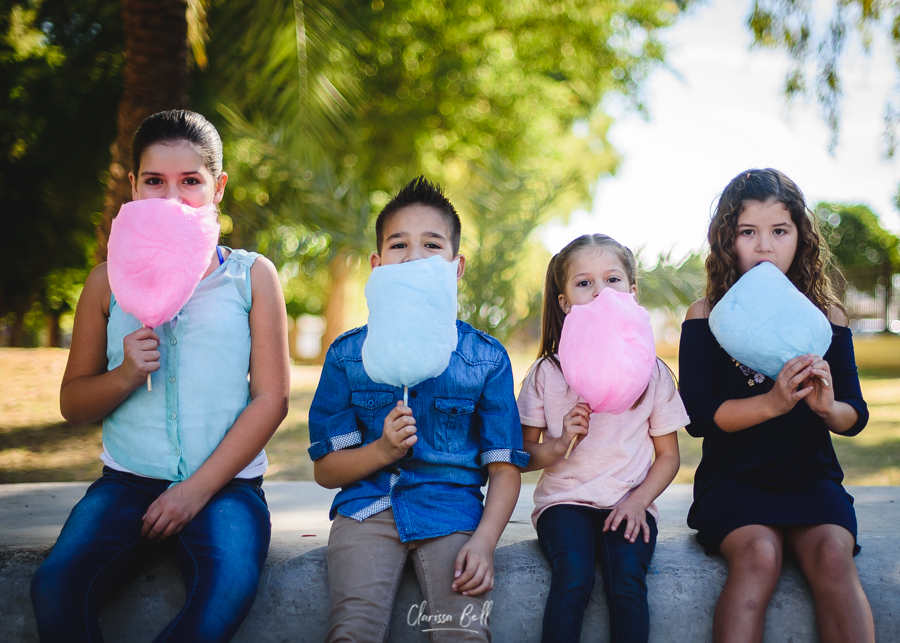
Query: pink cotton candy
[[606, 351], [159, 250]]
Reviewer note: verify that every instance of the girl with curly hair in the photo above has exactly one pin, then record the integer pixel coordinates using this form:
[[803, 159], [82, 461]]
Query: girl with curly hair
[[769, 480]]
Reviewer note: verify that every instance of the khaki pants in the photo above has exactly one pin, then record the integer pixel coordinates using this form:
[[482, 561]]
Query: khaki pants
[[365, 564]]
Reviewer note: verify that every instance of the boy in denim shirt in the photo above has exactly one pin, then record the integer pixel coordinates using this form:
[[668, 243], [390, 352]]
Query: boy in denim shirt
[[411, 476]]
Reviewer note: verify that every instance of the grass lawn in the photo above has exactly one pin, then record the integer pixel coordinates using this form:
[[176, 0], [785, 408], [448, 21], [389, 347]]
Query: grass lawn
[[37, 445]]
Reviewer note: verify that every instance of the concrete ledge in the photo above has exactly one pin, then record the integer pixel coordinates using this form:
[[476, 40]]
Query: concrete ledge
[[292, 604]]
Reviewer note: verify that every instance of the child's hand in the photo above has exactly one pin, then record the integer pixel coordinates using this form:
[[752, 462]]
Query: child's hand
[[141, 356], [399, 431], [792, 384], [821, 399], [172, 511], [575, 425], [474, 568], [634, 513]]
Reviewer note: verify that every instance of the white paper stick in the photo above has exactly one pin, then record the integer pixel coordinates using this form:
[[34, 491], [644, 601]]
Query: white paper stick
[[405, 396]]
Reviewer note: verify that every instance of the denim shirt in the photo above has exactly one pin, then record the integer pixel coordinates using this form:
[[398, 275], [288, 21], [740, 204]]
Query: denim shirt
[[466, 418]]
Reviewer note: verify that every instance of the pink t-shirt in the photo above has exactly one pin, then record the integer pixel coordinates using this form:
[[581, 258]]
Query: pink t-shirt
[[615, 456]]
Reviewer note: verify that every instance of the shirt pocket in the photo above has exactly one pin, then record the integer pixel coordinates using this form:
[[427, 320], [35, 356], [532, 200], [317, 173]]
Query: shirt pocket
[[552, 485], [370, 405], [614, 490], [453, 422]]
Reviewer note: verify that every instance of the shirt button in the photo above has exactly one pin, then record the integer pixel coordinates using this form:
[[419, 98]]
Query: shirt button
[[371, 402], [177, 452], [413, 394], [173, 341], [174, 415], [398, 494], [172, 378], [453, 410]]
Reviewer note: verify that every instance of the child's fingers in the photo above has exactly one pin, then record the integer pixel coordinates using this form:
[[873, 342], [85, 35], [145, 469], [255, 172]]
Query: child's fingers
[[635, 525], [462, 571], [485, 585], [399, 411], [146, 345], [475, 581], [401, 435], [803, 362], [612, 520], [145, 333], [458, 564], [801, 393]]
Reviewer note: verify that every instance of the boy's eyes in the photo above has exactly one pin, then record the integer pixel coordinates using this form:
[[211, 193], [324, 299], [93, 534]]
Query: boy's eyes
[[191, 181], [400, 245]]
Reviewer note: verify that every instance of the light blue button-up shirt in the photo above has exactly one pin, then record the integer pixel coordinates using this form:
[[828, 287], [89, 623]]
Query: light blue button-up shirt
[[201, 386]]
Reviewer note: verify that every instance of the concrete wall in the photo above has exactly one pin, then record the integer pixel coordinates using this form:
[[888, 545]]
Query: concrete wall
[[292, 604]]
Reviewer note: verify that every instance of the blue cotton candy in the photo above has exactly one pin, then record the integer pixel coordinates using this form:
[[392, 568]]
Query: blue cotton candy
[[763, 321], [412, 321]]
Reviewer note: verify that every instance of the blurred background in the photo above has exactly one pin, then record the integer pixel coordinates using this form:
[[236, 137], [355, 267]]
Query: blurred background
[[542, 120]]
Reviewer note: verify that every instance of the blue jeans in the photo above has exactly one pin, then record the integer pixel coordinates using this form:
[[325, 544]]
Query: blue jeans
[[573, 540], [220, 553]]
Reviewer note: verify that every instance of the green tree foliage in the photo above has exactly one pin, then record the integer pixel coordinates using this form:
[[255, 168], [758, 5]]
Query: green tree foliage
[[671, 284], [791, 26], [503, 209], [498, 100], [60, 68], [865, 251]]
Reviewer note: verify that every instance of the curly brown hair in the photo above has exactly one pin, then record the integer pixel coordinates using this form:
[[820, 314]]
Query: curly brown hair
[[811, 270]]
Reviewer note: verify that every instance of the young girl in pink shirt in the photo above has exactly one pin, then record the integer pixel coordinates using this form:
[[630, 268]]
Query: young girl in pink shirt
[[597, 505]]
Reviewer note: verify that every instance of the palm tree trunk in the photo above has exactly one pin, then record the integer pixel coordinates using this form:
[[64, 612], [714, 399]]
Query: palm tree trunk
[[338, 271], [156, 78]]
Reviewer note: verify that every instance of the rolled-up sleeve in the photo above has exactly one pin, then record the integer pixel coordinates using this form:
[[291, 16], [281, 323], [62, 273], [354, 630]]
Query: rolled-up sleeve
[[498, 416], [697, 377], [332, 420]]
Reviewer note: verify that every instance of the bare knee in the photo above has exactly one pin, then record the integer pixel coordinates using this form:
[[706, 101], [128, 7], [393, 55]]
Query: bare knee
[[758, 558], [831, 561]]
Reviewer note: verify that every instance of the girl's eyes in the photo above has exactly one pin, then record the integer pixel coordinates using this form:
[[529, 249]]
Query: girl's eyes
[[778, 232], [613, 280], [583, 283], [155, 180]]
